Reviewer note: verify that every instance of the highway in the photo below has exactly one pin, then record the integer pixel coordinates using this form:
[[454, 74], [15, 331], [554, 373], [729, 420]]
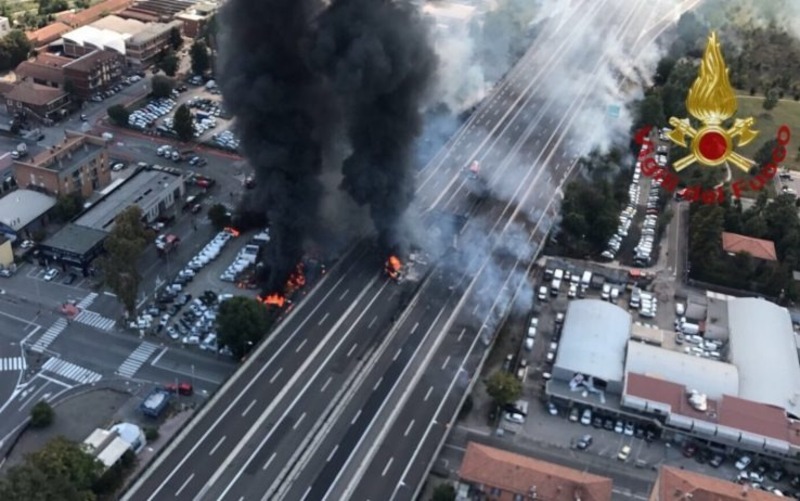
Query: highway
[[299, 419]]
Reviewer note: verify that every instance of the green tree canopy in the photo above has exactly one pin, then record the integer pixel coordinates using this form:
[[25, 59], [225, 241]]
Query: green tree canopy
[[503, 387], [60, 470], [119, 114], [219, 215], [68, 206], [14, 48], [169, 63], [52, 6], [201, 60], [175, 38], [161, 86], [42, 415], [184, 123], [241, 323], [444, 492], [124, 246]]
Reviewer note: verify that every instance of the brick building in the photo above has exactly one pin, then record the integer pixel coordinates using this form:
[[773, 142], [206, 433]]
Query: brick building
[[144, 48], [46, 69], [196, 18], [94, 72], [48, 34], [674, 484], [35, 101], [79, 18], [78, 164]]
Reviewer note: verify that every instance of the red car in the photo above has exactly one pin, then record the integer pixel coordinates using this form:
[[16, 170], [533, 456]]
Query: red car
[[184, 389]]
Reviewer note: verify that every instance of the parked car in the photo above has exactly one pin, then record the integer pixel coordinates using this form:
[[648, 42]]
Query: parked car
[[743, 462], [584, 442], [624, 453], [574, 415], [51, 274]]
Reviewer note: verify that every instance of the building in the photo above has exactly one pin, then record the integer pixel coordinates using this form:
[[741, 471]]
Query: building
[[733, 244], [151, 11], [673, 484], [87, 39], [48, 34], [196, 18], [78, 164], [132, 434], [490, 473], [144, 48], [79, 18], [154, 191], [106, 446], [74, 246], [23, 212], [35, 101], [46, 69], [592, 348], [94, 72], [6, 252]]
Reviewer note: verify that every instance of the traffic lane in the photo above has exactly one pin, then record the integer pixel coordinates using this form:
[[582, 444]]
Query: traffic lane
[[316, 400], [190, 362], [235, 440], [251, 401], [343, 440], [445, 378], [14, 411], [78, 344]]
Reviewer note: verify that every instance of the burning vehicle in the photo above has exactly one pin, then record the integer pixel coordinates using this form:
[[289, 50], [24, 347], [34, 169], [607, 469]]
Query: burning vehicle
[[394, 268]]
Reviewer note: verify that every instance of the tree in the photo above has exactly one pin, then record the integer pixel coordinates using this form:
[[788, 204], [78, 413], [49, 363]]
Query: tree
[[161, 86], [14, 48], [650, 111], [503, 387], [68, 206], [175, 38], [220, 216], [119, 114], [184, 123], [444, 492], [771, 99], [169, 63], [200, 57], [60, 470], [42, 415], [52, 6], [241, 323], [124, 246]]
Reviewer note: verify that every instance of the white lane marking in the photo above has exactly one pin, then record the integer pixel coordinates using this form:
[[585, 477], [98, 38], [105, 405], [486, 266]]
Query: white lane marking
[[275, 376], [297, 423], [355, 418], [300, 347], [462, 334], [249, 407], [397, 354], [330, 456], [266, 465], [428, 394], [386, 468], [344, 294], [445, 362], [352, 349], [377, 383], [372, 322], [305, 495], [322, 390], [183, 486], [324, 318], [214, 449], [408, 429], [414, 329]]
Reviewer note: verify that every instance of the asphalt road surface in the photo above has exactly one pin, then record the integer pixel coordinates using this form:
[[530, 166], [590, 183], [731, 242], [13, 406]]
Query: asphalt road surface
[[323, 408]]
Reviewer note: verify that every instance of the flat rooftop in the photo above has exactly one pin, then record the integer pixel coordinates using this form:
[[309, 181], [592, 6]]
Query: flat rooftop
[[140, 189], [75, 239], [76, 149]]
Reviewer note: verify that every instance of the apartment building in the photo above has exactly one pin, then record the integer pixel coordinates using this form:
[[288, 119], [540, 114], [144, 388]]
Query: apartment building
[[94, 72]]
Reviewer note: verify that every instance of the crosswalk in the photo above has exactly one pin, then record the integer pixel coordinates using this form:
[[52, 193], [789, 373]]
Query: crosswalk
[[87, 301], [136, 359], [50, 335], [71, 371], [13, 364], [95, 320]]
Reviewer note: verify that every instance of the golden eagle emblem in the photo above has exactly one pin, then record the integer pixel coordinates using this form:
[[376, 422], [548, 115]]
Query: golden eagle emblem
[[711, 101]]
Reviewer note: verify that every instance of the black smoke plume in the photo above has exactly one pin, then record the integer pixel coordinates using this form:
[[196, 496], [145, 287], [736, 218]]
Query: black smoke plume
[[279, 104], [379, 61]]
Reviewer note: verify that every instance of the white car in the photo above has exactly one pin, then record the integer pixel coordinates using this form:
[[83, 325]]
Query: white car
[[743, 462], [51, 274], [515, 417], [529, 344], [586, 418]]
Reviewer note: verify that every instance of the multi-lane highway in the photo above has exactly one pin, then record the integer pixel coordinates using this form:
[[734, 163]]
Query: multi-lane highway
[[348, 401]]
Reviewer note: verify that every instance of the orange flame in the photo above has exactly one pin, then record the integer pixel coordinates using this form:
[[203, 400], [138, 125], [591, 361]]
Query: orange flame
[[393, 266], [232, 231], [274, 300]]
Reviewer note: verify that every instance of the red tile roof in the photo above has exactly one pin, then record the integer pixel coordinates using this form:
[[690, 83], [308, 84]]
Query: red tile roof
[[676, 484], [731, 411], [517, 474], [761, 249], [38, 71], [34, 94], [93, 13], [49, 33]]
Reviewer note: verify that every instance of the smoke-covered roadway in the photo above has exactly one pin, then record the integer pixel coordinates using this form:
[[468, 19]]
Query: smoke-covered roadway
[[317, 410]]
